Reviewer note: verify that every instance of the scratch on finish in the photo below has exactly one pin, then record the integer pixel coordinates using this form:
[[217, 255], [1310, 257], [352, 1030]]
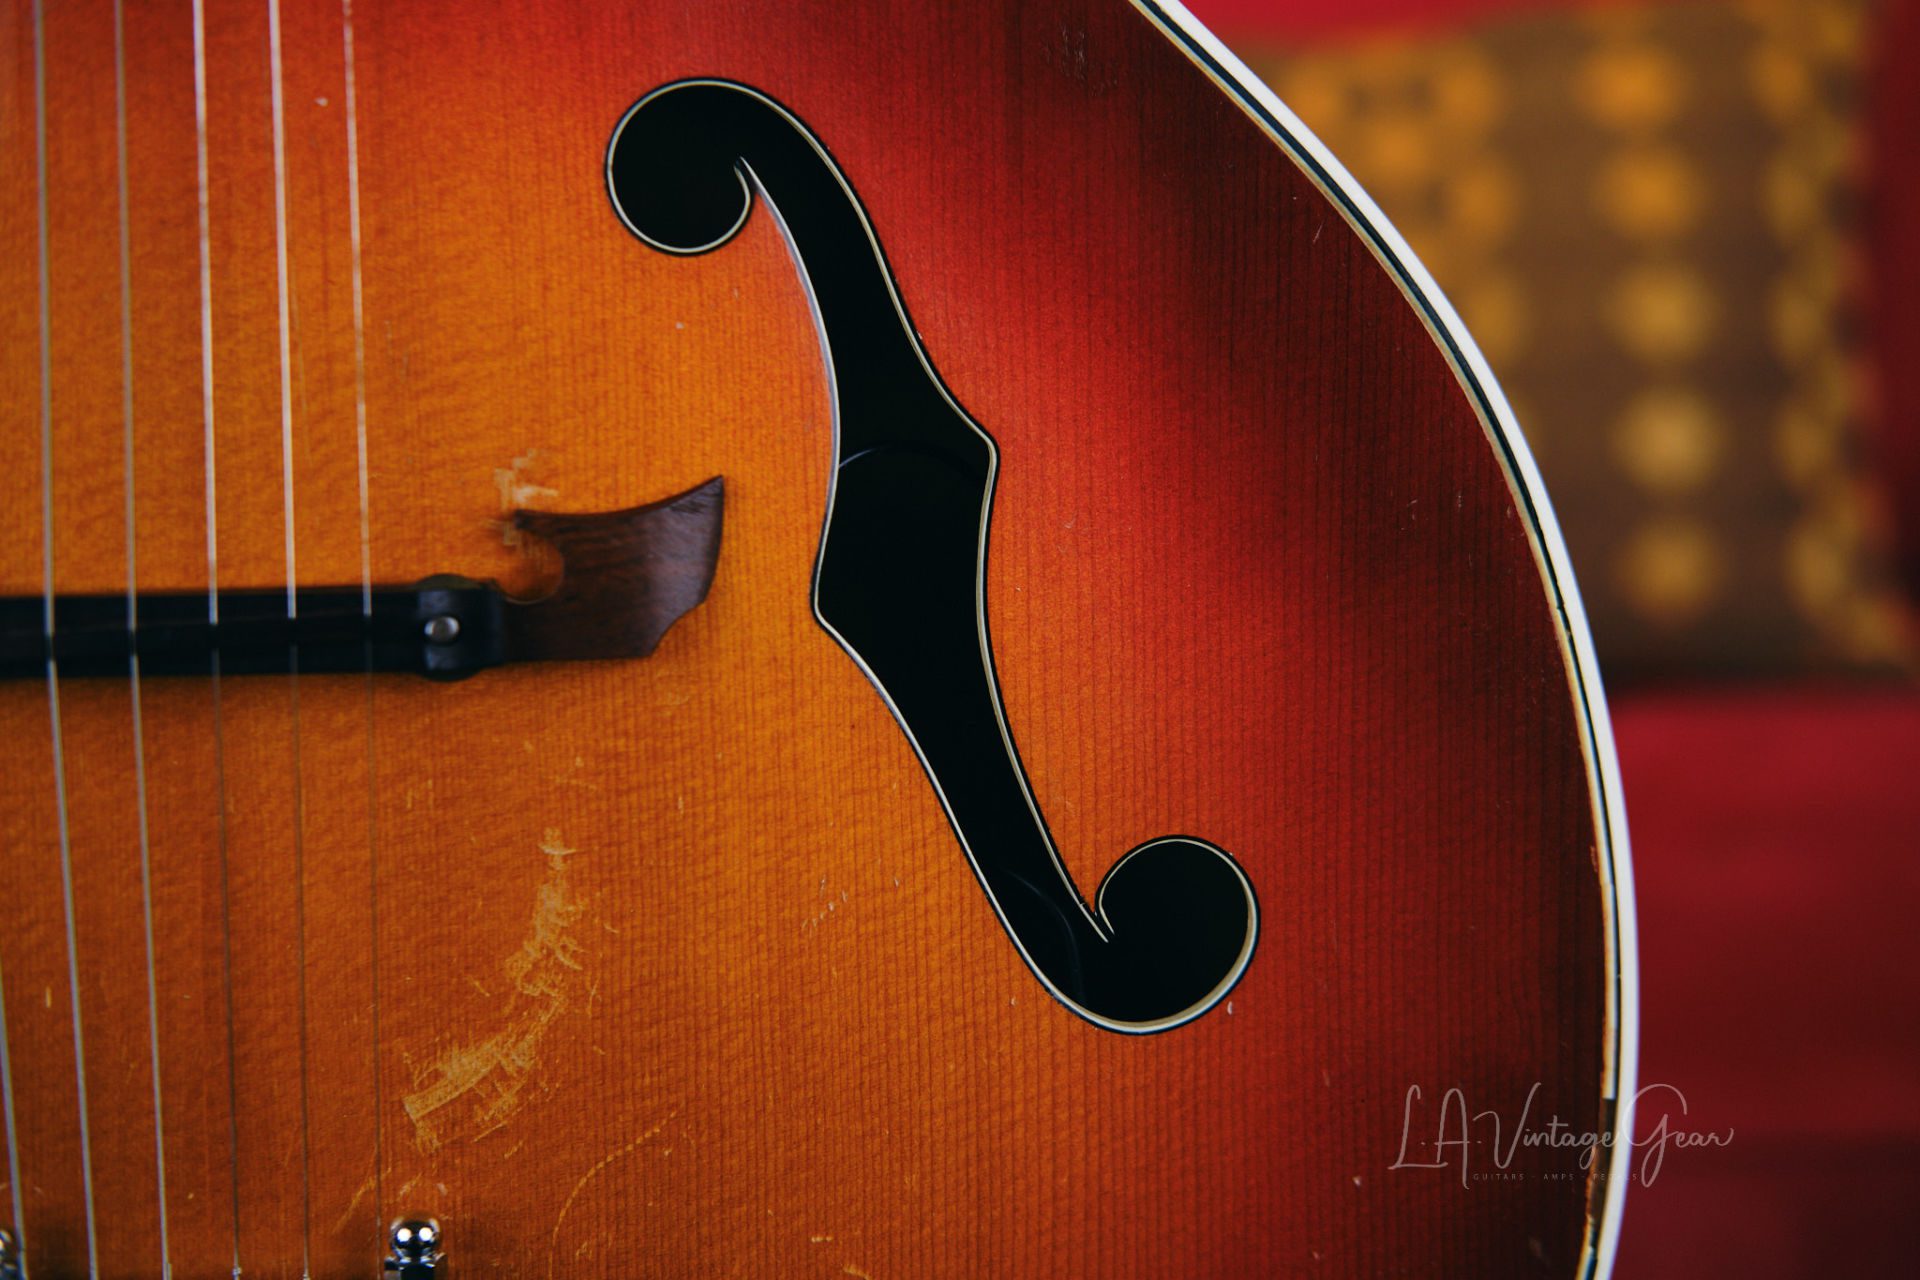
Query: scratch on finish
[[474, 1089], [566, 1206], [517, 492], [833, 905], [346, 1219]]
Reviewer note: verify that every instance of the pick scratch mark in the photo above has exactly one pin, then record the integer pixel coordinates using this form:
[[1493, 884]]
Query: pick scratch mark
[[833, 905], [566, 1206], [851, 1270], [353, 1205], [488, 1076], [516, 492]]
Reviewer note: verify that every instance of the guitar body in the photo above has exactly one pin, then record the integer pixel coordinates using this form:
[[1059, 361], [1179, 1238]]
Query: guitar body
[[684, 966]]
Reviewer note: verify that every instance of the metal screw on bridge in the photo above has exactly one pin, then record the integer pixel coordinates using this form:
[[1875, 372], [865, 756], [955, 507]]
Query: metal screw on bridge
[[413, 1251]]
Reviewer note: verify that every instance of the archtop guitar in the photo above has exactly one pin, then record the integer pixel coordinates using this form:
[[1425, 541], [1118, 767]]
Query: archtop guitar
[[773, 639]]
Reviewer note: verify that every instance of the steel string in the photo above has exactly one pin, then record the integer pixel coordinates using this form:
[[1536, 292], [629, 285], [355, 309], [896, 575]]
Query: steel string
[[133, 623], [53, 665], [366, 584], [213, 600], [293, 613]]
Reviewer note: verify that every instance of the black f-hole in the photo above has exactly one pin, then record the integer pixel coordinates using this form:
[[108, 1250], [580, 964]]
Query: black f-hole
[[901, 577]]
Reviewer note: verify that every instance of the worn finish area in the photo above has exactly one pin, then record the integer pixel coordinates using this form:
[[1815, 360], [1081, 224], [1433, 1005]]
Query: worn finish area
[[675, 967]]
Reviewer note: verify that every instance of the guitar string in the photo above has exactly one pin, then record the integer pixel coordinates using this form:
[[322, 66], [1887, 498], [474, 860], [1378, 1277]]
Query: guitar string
[[293, 613], [213, 603], [6, 1091], [352, 105], [13, 1135], [13, 1131], [133, 624], [53, 664]]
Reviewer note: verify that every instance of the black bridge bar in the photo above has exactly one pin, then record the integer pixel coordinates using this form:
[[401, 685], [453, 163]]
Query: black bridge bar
[[329, 630]]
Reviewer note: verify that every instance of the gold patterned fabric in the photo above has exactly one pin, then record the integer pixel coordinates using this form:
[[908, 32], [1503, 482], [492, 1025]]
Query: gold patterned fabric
[[1646, 217]]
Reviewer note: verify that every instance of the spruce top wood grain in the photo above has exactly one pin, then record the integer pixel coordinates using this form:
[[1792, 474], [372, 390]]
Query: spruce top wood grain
[[677, 967]]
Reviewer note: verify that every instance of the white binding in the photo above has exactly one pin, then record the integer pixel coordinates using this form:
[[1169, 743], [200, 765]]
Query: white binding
[[1614, 860]]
